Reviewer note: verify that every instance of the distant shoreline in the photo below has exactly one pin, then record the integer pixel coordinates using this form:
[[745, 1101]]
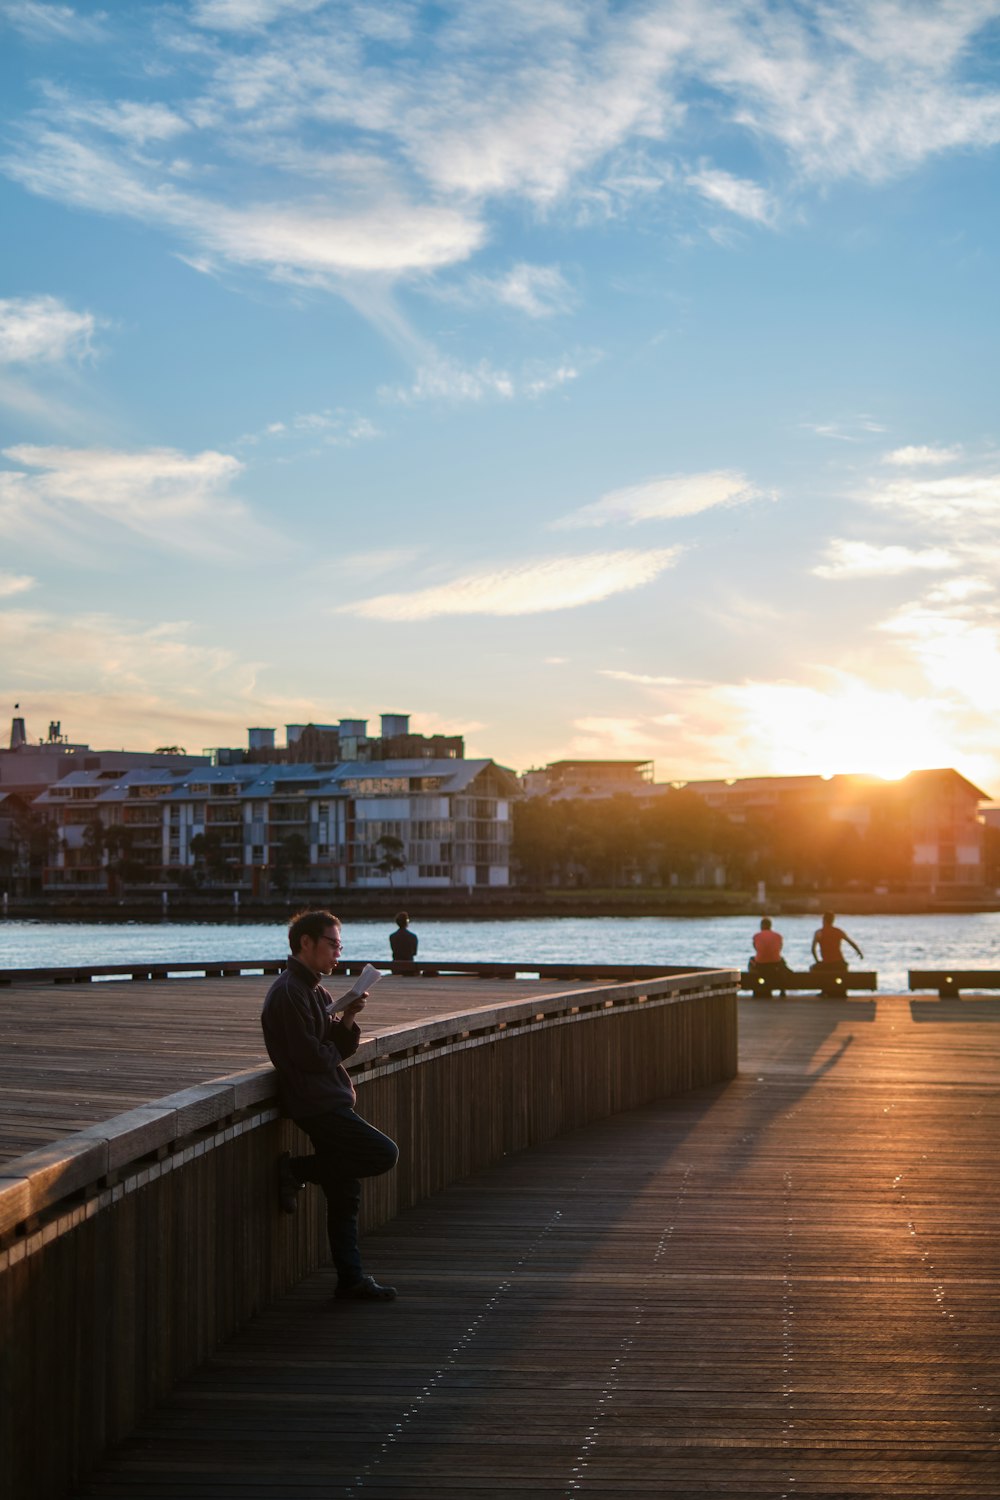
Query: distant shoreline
[[448, 906]]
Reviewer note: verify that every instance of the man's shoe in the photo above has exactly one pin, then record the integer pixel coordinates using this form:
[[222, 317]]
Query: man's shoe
[[365, 1290], [288, 1184]]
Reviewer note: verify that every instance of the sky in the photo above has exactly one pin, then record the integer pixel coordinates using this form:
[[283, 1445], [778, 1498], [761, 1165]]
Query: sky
[[608, 380]]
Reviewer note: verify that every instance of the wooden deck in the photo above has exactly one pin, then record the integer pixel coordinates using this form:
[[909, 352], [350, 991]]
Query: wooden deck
[[783, 1286], [74, 1055]]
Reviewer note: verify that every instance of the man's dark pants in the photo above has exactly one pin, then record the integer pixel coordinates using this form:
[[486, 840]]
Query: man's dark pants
[[347, 1149]]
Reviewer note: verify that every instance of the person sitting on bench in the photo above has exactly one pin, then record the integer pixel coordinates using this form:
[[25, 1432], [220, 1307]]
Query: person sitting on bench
[[767, 962], [827, 946]]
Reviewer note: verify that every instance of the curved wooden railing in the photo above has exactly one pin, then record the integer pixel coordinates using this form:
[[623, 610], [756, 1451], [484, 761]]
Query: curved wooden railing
[[432, 968], [129, 1250]]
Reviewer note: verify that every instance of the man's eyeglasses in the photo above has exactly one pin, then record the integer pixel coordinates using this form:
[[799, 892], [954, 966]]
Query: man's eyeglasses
[[335, 944]]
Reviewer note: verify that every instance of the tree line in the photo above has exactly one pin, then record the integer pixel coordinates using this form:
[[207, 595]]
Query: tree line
[[678, 839]]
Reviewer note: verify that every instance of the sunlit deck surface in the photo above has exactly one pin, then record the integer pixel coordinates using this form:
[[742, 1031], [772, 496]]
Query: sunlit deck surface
[[74, 1055], [782, 1286]]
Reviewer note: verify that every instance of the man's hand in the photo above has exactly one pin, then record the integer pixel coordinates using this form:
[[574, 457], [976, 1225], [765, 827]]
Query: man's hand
[[354, 1009]]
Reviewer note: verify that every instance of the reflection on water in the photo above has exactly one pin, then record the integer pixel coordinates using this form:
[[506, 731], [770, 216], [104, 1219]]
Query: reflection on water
[[891, 944]]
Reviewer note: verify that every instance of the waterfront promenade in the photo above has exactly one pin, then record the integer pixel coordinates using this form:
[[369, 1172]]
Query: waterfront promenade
[[784, 1285], [781, 1284]]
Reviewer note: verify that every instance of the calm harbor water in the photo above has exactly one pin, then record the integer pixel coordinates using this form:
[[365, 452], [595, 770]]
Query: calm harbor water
[[891, 944]]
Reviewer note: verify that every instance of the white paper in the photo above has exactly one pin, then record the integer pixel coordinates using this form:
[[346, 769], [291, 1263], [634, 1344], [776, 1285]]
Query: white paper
[[368, 977]]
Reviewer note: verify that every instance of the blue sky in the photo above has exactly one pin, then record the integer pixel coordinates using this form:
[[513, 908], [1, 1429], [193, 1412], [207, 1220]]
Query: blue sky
[[589, 379]]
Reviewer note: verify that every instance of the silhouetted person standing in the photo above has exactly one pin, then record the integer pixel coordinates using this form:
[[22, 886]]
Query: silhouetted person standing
[[403, 942]]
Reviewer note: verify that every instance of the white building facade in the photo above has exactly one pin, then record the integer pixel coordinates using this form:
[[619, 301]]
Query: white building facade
[[415, 824]]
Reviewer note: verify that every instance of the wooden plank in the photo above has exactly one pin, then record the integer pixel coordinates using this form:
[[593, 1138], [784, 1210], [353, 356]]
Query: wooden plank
[[783, 1285], [72, 1057]]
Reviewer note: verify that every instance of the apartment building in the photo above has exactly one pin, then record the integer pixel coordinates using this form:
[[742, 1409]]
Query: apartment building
[[415, 823]]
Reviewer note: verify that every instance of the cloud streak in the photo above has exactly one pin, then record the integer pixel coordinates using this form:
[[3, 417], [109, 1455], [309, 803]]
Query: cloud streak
[[534, 587], [668, 498]]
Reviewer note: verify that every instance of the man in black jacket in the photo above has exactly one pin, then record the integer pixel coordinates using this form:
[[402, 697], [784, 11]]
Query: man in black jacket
[[308, 1042]]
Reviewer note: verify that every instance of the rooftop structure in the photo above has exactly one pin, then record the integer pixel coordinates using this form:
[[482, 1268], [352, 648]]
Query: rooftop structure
[[347, 740], [29, 767], [589, 778]]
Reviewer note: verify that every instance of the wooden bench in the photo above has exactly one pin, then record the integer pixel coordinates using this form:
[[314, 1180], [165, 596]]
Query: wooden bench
[[950, 982], [837, 982]]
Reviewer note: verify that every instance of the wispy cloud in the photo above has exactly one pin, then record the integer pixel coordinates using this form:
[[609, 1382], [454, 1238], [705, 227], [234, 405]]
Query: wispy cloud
[[132, 121], [448, 380], [15, 583], [249, 15], [612, 737], [737, 195], [858, 89], [958, 651], [336, 427], [43, 330], [104, 652], [302, 240], [948, 503], [179, 501], [920, 456], [667, 498], [642, 679], [533, 587], [845, 559], [806, 727], [52, 23], [336, 143], [849, 430], [106, 675], [536, 291]]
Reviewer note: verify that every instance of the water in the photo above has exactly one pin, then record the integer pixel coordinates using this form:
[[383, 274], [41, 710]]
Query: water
[[891, 944]]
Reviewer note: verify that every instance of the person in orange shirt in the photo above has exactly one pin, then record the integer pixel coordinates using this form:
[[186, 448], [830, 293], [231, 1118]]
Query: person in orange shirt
[[767, 961]]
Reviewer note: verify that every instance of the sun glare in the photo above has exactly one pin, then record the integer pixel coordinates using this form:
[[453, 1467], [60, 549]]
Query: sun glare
[[854, 728]]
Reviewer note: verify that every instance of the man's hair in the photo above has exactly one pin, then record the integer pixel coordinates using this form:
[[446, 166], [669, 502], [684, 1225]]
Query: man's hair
[[310, 924], [402, 917], [765, 923], [829, 918]]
